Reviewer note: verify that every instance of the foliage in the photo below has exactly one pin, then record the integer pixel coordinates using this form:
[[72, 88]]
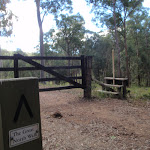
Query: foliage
[[103, 10], [10, 64], [55, 7], [100, 48], [45, 7], [139, 37], [114, 14], [69, 37], [6, 24]]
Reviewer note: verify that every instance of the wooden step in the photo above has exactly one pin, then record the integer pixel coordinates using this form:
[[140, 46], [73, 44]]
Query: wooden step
[[111, 78], [112, 85], [108, 92]]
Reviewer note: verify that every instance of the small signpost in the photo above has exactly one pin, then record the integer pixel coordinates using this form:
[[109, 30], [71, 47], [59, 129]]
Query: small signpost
[[20, 123]]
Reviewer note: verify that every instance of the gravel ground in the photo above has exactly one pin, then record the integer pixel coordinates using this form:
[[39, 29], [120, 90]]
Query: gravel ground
[[70, 122]]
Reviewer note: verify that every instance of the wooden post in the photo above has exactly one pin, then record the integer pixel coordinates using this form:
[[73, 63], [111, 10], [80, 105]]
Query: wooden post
[[83, 70], [124, 88], [88, 76], [16, 73], [113, 67]]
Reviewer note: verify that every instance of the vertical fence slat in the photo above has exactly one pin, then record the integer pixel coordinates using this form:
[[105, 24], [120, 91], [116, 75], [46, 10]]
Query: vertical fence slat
[[16, 73], [83, 70]]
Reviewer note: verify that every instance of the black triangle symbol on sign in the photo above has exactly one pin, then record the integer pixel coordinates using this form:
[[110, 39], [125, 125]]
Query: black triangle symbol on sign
[[21, 102]]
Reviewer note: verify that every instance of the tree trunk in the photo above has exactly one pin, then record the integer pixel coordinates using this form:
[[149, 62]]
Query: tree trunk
[[148, 53], [126, 52], [116, 38], [41, 34], [137, 54], [68, 54], [1, 63]]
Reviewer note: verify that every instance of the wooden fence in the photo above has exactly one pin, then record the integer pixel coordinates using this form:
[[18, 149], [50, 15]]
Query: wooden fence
[[85, 67]]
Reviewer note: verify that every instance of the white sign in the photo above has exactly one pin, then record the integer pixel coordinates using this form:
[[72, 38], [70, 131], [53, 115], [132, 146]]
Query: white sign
[[23, 135]]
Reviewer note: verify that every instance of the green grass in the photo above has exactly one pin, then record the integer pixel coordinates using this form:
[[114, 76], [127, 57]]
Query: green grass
[[52, 84], [139, 93], [136, 93]]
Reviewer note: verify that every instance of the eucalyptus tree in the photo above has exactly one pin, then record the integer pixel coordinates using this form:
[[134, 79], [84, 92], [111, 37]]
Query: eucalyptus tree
[[70, 35], [125, 9], [100, 48], [138, 41], [105, 14], [114, 14], [45, 7], [68, 39]]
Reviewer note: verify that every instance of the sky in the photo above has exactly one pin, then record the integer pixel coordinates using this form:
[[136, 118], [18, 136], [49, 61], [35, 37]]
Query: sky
[[26, 32]]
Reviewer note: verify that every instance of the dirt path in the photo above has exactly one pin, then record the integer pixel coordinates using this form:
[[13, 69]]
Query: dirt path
[[107, 124]]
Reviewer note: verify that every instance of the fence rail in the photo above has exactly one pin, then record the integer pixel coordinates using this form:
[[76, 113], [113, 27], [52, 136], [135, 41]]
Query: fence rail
[[43, 58], [33, 68]]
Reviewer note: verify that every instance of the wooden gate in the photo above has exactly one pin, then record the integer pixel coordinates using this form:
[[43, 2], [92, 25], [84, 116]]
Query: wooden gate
[[85, 67]]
